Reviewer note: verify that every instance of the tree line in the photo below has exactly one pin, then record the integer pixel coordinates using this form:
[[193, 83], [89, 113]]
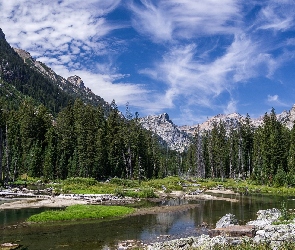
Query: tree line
[[79, 142], [265, 154]]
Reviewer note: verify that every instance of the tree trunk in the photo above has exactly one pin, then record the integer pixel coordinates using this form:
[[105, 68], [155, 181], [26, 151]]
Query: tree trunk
[[7, 171]]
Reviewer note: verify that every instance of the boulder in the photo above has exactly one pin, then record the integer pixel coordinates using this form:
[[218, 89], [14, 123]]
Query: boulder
[[265, 217], [226, 221]]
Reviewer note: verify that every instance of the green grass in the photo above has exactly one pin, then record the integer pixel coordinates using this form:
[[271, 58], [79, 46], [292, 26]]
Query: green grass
[[137, 193], [81, 212], [147, 188], [246, 187]]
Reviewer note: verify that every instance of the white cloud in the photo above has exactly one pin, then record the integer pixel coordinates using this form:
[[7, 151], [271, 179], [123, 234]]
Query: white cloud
[[275, 101], [277, 16], [40, 26], [64, 35], [102, 85], [231, 107], [174, 19], [200, 83]]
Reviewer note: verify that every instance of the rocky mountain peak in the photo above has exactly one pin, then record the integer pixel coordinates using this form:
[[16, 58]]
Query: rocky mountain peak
[[167, 131], [287, 117], [23, 54], [76, 80], [178, 138]]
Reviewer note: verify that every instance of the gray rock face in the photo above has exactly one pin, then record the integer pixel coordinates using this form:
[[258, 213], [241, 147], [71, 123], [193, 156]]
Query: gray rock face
[[226, 221], [77, 81], [73, 85], [167, 130], [179, 137], [287, 117], [265, 217]]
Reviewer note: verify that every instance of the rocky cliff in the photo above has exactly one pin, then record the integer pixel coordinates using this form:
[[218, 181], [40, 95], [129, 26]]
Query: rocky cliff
[[287, 117], [180, 137], [73, 85], [161, 125]]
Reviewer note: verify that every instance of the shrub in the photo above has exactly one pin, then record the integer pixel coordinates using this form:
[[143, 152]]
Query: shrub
[[280, 178]]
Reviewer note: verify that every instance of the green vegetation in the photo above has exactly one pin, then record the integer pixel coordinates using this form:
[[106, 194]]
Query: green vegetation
[[50, 133], [249, 245], [245, 186], [287, 216], [80, 212]]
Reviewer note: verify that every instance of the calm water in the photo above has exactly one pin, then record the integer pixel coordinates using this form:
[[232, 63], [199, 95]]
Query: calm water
[[147, 228]]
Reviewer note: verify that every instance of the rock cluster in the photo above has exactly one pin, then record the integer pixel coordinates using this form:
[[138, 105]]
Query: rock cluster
[[76, 80], [227, 221], [265, 217], [287, 117], [274, 235]]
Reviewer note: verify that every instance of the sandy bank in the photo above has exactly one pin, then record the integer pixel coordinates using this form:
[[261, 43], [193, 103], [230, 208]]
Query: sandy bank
[[35, 203]]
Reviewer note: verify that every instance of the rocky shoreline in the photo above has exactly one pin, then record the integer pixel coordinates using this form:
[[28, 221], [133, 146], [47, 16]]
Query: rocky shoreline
[[264, 231], [24, 198]]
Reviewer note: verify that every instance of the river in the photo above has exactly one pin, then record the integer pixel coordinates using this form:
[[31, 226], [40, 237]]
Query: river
[[146, 228]]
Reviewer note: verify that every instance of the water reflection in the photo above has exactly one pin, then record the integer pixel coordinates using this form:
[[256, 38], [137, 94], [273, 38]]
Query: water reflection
[[98, 235]]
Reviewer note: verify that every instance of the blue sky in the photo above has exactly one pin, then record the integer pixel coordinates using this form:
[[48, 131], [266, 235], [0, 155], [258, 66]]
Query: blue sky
[[192, 59]]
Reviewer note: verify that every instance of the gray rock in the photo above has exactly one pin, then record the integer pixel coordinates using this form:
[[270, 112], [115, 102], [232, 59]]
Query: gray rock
[[226, 221], [168, 132], [265, 217]]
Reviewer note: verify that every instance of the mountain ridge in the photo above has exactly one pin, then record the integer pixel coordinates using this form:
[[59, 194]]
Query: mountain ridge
[[180, 137], [73, 85], [175, 137]]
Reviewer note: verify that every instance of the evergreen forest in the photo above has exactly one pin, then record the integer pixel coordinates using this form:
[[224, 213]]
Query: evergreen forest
[[265, 155], [53, 133]]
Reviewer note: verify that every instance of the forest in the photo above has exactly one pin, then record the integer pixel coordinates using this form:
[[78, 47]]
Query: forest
[[55, 133], [79, 142], [82, 142], [264, 155]]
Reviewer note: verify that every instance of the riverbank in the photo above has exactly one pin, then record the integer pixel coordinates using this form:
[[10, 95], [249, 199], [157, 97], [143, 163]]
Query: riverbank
[[265, 235], [65, 200]]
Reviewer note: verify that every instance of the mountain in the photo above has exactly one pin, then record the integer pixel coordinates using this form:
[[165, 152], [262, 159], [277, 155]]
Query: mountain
[[180, 137], [22, 76], [287, 117], [34, 79], [73, 85], [162, 126]]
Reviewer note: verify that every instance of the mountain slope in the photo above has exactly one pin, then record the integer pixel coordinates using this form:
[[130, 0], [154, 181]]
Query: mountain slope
[[35, 79], [73, 85]]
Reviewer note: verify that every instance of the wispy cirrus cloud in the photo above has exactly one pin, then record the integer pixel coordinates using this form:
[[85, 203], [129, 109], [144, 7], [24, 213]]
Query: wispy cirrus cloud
[[173, 19], [276, 15], [199, 82], [61, 27], [69, 36], [275, 101]]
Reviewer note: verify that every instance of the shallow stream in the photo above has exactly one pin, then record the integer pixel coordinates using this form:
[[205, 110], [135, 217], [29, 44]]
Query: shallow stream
[[146, 228]]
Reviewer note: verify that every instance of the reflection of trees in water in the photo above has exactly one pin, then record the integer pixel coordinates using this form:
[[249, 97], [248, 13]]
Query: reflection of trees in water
[[210, 211], [94, 235]]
